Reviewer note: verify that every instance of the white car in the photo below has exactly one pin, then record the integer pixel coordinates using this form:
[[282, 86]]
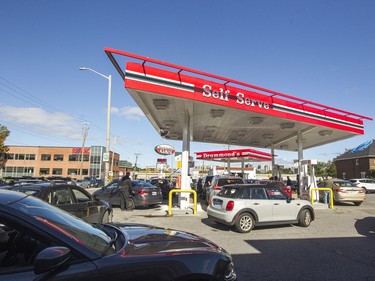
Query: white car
[[248, 205], [367, 184]]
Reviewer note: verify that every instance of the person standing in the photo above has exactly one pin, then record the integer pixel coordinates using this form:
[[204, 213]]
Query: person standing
[[289, 181], [126, 185]]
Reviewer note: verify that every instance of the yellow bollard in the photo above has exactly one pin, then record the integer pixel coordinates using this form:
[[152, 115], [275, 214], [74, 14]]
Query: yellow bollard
[[181, 190]]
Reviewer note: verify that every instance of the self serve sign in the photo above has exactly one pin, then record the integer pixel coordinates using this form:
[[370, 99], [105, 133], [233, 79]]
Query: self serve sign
[[164, 149]]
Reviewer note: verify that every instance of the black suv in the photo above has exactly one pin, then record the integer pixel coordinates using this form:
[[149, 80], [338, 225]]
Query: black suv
[[164, 184]]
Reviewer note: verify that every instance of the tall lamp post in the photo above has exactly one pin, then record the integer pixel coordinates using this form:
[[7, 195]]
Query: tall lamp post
[[107, 142]]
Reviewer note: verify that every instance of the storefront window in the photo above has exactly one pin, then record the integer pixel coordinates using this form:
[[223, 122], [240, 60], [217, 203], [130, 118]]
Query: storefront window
[[30, 156], [58, 157], [44, 171], [46, 157], [72, 172], [73, 157], [57, 171], [10, 156]]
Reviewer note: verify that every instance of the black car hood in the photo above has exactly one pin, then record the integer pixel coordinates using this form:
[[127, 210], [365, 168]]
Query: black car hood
[[146, 239]]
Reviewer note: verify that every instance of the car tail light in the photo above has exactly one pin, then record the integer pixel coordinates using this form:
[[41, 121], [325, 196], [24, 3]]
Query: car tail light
[[343, 190], [142, 192], [230, 206]]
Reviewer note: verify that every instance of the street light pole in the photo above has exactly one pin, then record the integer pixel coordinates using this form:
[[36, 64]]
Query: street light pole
[[107, 142]]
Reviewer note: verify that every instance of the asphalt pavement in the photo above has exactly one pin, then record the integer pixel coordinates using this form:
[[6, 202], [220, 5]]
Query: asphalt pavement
[[338, 245]]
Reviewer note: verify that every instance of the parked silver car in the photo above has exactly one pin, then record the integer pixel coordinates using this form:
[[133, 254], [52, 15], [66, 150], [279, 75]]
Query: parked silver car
[[248, 205], [83, 183]]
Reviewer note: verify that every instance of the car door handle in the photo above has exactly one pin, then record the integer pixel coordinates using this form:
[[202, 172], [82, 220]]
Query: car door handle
[[276, 203], [256, 203]]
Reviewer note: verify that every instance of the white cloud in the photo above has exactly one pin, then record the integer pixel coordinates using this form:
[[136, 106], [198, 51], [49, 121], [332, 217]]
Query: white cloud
[[40, 121], [133, 113]]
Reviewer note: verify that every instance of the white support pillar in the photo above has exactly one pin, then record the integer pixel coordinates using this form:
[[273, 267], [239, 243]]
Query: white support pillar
[[243, 168], [273, 161], [183, 200], [300, 157]]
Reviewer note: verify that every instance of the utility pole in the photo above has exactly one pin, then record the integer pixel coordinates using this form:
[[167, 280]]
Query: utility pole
[[136, 160], [84, 135]]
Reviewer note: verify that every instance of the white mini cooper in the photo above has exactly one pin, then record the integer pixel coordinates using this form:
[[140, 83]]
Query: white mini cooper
[[249, 205]]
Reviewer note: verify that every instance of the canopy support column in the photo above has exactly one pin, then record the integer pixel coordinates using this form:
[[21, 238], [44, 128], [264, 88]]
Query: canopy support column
[[300, 157], [273, 162], [183, 201], [243, 168]]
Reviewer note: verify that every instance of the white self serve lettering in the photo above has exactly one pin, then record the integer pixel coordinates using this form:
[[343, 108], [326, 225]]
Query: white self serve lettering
[[222, 95], [241, 99]]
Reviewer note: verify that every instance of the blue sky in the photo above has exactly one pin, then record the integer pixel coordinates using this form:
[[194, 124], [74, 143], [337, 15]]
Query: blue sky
[[322, 51]]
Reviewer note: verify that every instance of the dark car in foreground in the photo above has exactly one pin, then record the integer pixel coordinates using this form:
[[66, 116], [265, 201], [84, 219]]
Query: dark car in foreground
[[43, 242], [143, 194], [248, 205], [72, 199]]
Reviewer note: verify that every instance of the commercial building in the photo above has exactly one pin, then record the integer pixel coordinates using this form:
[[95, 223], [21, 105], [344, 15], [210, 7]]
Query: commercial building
[[47, 161]]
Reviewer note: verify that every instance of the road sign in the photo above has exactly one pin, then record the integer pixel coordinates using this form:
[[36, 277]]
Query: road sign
[[106, 157]]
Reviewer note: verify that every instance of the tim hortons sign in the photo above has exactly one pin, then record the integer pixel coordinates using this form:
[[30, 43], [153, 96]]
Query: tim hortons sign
[[164, 149]]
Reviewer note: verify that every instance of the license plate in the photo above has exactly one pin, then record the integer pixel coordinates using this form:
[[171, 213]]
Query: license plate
[[217, 202], [154, 193]]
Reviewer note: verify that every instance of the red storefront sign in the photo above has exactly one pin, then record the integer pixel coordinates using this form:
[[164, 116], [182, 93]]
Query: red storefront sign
[[78, 150], [234, 153]]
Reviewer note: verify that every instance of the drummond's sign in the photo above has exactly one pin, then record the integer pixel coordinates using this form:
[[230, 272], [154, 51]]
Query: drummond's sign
[[235, 153]]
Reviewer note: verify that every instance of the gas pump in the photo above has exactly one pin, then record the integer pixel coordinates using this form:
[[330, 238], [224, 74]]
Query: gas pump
[[308, 179]]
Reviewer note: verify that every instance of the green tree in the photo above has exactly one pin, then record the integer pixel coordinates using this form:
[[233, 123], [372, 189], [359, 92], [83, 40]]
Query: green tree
[[324, 170], [331, 169], [4, 133]]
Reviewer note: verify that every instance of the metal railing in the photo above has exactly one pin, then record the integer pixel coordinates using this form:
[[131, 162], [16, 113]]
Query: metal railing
[[322, 188], [182, 190]]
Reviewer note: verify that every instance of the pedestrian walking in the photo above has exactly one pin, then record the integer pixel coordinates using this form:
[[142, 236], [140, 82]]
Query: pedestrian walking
[[126, 185]]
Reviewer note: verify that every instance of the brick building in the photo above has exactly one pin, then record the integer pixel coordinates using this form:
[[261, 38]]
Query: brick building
[[45, 161], [356, 163]]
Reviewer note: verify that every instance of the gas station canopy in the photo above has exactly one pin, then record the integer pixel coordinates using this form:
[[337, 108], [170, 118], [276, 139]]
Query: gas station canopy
[[226, 111]]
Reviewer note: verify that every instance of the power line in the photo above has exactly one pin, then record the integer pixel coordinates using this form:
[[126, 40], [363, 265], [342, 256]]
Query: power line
[[20, 94]]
